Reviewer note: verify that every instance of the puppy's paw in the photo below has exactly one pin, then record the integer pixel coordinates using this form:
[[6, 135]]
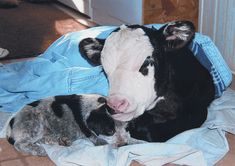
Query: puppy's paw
[[64, 141]]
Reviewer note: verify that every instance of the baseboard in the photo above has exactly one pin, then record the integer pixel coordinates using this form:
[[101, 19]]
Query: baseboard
[[79, 17]]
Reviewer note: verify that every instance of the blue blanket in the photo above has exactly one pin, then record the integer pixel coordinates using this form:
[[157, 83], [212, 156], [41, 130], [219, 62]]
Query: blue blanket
[[61, 70]]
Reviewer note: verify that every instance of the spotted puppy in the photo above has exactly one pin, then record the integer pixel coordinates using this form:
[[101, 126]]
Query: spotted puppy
[[59, 120]]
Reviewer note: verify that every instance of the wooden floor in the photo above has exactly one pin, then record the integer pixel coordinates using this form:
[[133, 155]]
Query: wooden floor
[[10, 157], [29, 29], [229, 159]]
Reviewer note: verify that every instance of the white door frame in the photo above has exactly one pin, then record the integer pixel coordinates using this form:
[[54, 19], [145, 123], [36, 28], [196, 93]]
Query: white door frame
[[217, 20]]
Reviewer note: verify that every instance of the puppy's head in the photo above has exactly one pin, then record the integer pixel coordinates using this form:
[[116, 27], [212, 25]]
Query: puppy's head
[[97, 115], [101, 122]]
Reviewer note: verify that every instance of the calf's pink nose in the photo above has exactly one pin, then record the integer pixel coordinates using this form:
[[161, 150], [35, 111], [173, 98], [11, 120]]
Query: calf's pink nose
[[119, 105]]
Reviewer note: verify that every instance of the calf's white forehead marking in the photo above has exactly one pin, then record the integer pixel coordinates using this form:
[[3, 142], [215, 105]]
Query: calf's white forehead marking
[[122, 56], [126, 49]]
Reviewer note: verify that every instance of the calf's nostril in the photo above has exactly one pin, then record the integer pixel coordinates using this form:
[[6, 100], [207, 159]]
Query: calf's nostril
[[123, 105]]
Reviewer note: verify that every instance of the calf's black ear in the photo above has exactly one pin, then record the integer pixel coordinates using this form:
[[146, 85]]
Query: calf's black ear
[[177, 34], [90, 49]]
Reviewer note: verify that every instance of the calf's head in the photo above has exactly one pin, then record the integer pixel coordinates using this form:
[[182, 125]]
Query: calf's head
[[133, 59]]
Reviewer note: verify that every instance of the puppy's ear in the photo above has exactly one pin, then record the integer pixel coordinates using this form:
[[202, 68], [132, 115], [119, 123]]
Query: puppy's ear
[[90, 49], [176, 35]]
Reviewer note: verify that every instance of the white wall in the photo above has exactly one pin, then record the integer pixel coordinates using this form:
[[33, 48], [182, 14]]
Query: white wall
[[81, 5], [217, 20], [116, 12]]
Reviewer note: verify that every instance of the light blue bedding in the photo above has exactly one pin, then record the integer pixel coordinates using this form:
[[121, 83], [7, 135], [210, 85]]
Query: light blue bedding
[[61, 70]]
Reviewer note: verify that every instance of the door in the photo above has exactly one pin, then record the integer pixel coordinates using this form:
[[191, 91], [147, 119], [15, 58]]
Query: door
[[217, 20]]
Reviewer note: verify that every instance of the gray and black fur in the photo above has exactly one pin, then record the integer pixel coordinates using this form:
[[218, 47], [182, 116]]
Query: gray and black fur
[[59, 120]]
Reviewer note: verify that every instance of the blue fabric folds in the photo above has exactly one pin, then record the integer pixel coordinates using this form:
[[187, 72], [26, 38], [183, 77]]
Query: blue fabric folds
[[208, 55], [61, 70]]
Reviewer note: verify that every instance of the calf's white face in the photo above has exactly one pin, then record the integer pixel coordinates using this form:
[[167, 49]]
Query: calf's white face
[[131, 92], [133, 58]]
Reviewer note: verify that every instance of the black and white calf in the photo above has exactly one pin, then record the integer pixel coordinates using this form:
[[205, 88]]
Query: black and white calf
[[156, 83]]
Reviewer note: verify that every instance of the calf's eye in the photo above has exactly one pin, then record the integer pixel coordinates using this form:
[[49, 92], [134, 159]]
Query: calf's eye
[[144, 68]]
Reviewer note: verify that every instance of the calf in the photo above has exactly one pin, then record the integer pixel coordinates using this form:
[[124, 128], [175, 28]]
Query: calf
[[156, 83]]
